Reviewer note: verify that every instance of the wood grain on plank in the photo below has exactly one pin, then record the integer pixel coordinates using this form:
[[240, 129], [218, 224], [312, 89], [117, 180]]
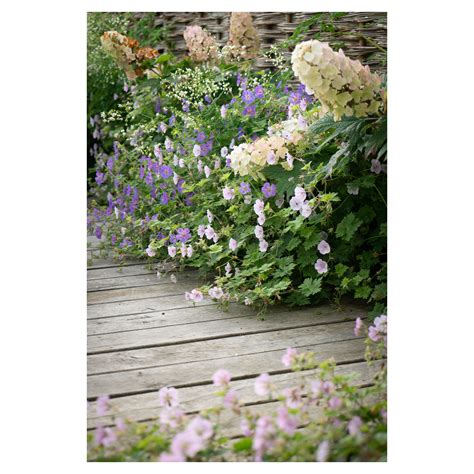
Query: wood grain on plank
[[213, 329], [195, 399], [142, 292], [160, 303], [161, 319], [133, 281], [218, 348], [198, 373]]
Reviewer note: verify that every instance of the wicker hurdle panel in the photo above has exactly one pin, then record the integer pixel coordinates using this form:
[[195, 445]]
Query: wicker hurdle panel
[[360, 34]]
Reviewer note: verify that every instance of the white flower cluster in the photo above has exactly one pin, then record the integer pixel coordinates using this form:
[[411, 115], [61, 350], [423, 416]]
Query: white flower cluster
[[342, 85]]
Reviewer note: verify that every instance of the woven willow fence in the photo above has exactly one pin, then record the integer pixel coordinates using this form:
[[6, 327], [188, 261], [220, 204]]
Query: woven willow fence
[[362, 35]]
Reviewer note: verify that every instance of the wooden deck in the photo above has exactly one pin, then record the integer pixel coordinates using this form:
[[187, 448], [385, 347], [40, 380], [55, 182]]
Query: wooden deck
[[143, 335]]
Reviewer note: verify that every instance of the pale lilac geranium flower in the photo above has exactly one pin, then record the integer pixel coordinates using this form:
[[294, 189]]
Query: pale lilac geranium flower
[[196, 150], [261, 219], [221, 378], [170, 457], [233, 244], [195, 295], [157, 151], [286, 422], [258, 231], [245, 427], [186, 444], [168, 144], [306, 210], [324, 247], [150, 252], [216, 292], [293, 397], [209, 232], [102, 405], [172, 251], [263, 245], [201, 230], [321, 266], [207, 171], [258, 206], [168, 397], [296, 204], [228, 193], [224, 151], [189, 251], [228, 269], [379, 330], [271, 158], [357, 326], [210, 216], [181, 163], [376, 166], [171, 416], [323, 451], [300, 193], [289, 160], [289, 357], [201, 427], [353, 427], [262, 385], [335, 403], [231, 400]]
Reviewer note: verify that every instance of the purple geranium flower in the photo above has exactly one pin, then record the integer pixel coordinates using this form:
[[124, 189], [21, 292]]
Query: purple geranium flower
[[183, 234], [249, 110], [269, 190], [259, 92], [164, 198], [98, 232], [201, 136], [244, 188], [165, 171], [248, 97], [99, 177]]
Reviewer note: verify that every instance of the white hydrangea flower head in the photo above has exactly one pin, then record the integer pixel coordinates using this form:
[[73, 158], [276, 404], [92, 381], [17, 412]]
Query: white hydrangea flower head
[[342, 85]]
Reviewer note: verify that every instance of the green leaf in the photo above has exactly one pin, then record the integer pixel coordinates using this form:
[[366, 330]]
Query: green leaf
[[347, 227], [244, 444], [310, 286]]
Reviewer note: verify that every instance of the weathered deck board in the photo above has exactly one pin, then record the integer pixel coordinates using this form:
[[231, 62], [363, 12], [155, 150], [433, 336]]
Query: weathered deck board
[[217, 348], [134, 281], [198, 373], [143, 335], [212, 329]]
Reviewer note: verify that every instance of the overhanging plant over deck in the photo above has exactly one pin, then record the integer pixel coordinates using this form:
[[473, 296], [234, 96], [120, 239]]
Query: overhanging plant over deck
[[279, 190]]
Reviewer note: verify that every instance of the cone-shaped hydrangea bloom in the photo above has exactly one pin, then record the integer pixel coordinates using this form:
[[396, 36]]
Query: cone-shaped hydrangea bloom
[[201, 44], [342, 85], [244, 42]]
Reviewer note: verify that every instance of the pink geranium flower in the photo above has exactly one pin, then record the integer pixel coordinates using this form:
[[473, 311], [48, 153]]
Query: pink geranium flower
[[324, 247], [321, 266], [221, 378]]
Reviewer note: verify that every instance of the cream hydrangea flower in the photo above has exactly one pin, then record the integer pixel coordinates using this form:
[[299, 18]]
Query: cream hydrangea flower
[[201, 45], [342, 85], [244, 42]]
